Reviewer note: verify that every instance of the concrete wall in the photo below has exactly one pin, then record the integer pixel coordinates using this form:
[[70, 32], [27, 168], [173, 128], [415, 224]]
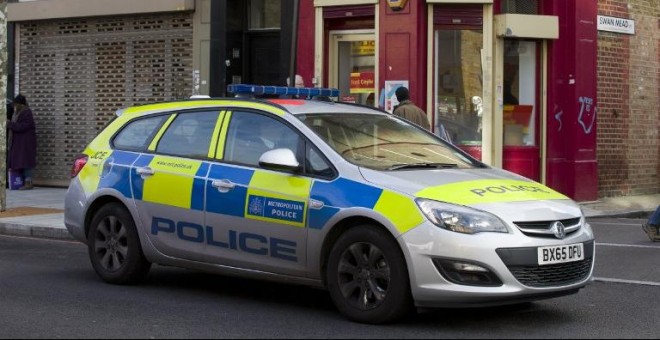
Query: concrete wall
[[57, 9], [201, 46]]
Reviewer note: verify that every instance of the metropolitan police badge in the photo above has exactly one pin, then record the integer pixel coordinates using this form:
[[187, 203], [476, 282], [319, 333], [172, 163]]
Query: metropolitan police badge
[[256, 206]]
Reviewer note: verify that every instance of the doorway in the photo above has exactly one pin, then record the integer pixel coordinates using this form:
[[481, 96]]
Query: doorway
[[521, 107], [264, 53], [352, 67], [458, 107]]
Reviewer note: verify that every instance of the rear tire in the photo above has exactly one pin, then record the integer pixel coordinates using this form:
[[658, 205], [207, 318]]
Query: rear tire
[[367, 276], [114, 246]]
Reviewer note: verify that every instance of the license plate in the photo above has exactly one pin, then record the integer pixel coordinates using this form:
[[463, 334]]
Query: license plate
[[560, 254]]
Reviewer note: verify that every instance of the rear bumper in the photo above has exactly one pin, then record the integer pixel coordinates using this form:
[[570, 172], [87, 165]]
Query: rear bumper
[[74, 210]]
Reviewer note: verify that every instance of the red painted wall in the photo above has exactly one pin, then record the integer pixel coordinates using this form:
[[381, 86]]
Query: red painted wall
[[572, 100], [402, 47], [305, 52]]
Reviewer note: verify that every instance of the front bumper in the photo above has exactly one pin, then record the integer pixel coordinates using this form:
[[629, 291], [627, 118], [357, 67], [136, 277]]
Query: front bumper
[[510, 258]]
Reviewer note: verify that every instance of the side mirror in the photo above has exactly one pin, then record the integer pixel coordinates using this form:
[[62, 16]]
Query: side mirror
[[279, 159]]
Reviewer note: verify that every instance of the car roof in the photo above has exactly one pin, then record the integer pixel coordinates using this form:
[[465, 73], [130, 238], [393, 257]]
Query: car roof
[[304, 106], [292, 106]]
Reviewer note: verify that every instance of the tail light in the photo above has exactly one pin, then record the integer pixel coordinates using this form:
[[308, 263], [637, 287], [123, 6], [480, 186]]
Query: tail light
[[78, 164]]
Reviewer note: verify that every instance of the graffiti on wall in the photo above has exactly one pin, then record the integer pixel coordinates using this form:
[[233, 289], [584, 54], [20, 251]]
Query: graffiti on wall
[[558, 112], [587, 116]]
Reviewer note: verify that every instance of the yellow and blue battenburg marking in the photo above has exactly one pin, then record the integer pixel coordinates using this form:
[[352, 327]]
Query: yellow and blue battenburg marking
[[342, 193], [233, 201], [277, 197], [117, 170], [177, 182], [260, 195], [107, 169]]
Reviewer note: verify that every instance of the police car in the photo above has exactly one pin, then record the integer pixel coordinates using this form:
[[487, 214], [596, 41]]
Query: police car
[[383, 214]]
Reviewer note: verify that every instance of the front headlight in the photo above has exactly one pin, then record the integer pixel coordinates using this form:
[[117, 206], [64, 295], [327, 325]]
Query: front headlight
[[459, 218]]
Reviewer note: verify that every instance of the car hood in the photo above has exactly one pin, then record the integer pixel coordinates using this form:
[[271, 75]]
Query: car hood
[[505, 194]]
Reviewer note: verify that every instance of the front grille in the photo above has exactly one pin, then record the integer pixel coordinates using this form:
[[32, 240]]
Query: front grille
[[543, 228], [552, 275]]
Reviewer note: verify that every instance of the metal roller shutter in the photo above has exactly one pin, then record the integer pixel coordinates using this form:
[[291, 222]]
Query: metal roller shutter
[[76, 73]]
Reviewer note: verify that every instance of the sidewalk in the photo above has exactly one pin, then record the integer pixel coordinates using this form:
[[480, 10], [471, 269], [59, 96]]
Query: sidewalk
[[40, 212]]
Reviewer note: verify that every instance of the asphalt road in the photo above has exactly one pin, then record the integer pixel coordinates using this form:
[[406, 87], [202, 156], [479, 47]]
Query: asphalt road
[[49, 290]]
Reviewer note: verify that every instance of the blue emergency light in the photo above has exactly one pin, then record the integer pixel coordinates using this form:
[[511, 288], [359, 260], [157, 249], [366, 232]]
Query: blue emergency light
[[245, 89]]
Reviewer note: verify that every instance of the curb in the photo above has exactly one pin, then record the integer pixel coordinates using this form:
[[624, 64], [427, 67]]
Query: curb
[[16, 229], [627, 214]]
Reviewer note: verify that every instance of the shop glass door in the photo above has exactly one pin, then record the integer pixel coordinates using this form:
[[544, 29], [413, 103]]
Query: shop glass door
[[521, 107], [353, 65], [458, 86]]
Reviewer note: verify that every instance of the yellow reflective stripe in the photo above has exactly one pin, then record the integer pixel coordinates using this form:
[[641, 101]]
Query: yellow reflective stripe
[[162, 107], [90, 175], [220, 149], [172, 181], [214, 137], [272, 185], [490, 191], [401, 210], [154, 142], [176, 106]]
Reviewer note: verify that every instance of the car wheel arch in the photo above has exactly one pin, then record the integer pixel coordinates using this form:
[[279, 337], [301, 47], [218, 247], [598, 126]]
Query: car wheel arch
[[337, 230], [97, 204]]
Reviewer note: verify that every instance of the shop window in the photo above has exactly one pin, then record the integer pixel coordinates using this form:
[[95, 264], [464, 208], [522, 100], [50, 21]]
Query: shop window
[[458, 106], [353, 67], [264, 14], [459, 84]]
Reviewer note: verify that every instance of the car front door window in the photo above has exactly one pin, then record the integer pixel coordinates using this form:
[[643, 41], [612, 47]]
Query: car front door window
[[251, 134]]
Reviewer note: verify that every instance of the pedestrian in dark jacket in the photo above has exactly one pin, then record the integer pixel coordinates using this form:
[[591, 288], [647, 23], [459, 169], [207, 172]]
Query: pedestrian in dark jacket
[[652, 226], [22, 141], [408, 110]]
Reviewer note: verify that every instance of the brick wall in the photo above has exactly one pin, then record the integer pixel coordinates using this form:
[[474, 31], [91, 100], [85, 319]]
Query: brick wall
[[629, 101]]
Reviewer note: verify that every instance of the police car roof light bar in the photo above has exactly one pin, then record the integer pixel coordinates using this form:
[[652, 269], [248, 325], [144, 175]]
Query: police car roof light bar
[[244, 89]]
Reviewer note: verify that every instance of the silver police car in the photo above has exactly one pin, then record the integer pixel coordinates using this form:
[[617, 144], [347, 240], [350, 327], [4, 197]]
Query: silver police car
[[383, 214]]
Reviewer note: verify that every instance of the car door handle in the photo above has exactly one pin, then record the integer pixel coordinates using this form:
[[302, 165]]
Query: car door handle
[[147, 171], [223, 185]]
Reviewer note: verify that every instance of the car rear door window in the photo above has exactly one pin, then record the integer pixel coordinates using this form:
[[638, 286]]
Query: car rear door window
[[136, 135], [189, 135]]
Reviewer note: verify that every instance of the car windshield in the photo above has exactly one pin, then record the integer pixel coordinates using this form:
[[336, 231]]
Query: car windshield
[[383, 142]]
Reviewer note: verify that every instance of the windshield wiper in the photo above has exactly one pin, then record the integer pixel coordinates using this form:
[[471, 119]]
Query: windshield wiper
[[423, 166]]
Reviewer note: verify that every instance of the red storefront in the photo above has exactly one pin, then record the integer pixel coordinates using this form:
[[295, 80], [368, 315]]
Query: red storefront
[[511, 82]]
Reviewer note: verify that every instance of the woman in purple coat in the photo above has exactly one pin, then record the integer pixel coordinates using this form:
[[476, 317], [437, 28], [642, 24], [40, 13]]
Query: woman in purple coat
[[22, 141]]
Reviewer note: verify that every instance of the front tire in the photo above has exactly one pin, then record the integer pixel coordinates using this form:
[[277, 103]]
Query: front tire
[[367, 276], [114, 246]]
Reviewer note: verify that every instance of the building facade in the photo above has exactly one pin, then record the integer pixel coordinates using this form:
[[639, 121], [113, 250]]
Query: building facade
[[511, 82], [538, 87], [629, 98], [78, 62]]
